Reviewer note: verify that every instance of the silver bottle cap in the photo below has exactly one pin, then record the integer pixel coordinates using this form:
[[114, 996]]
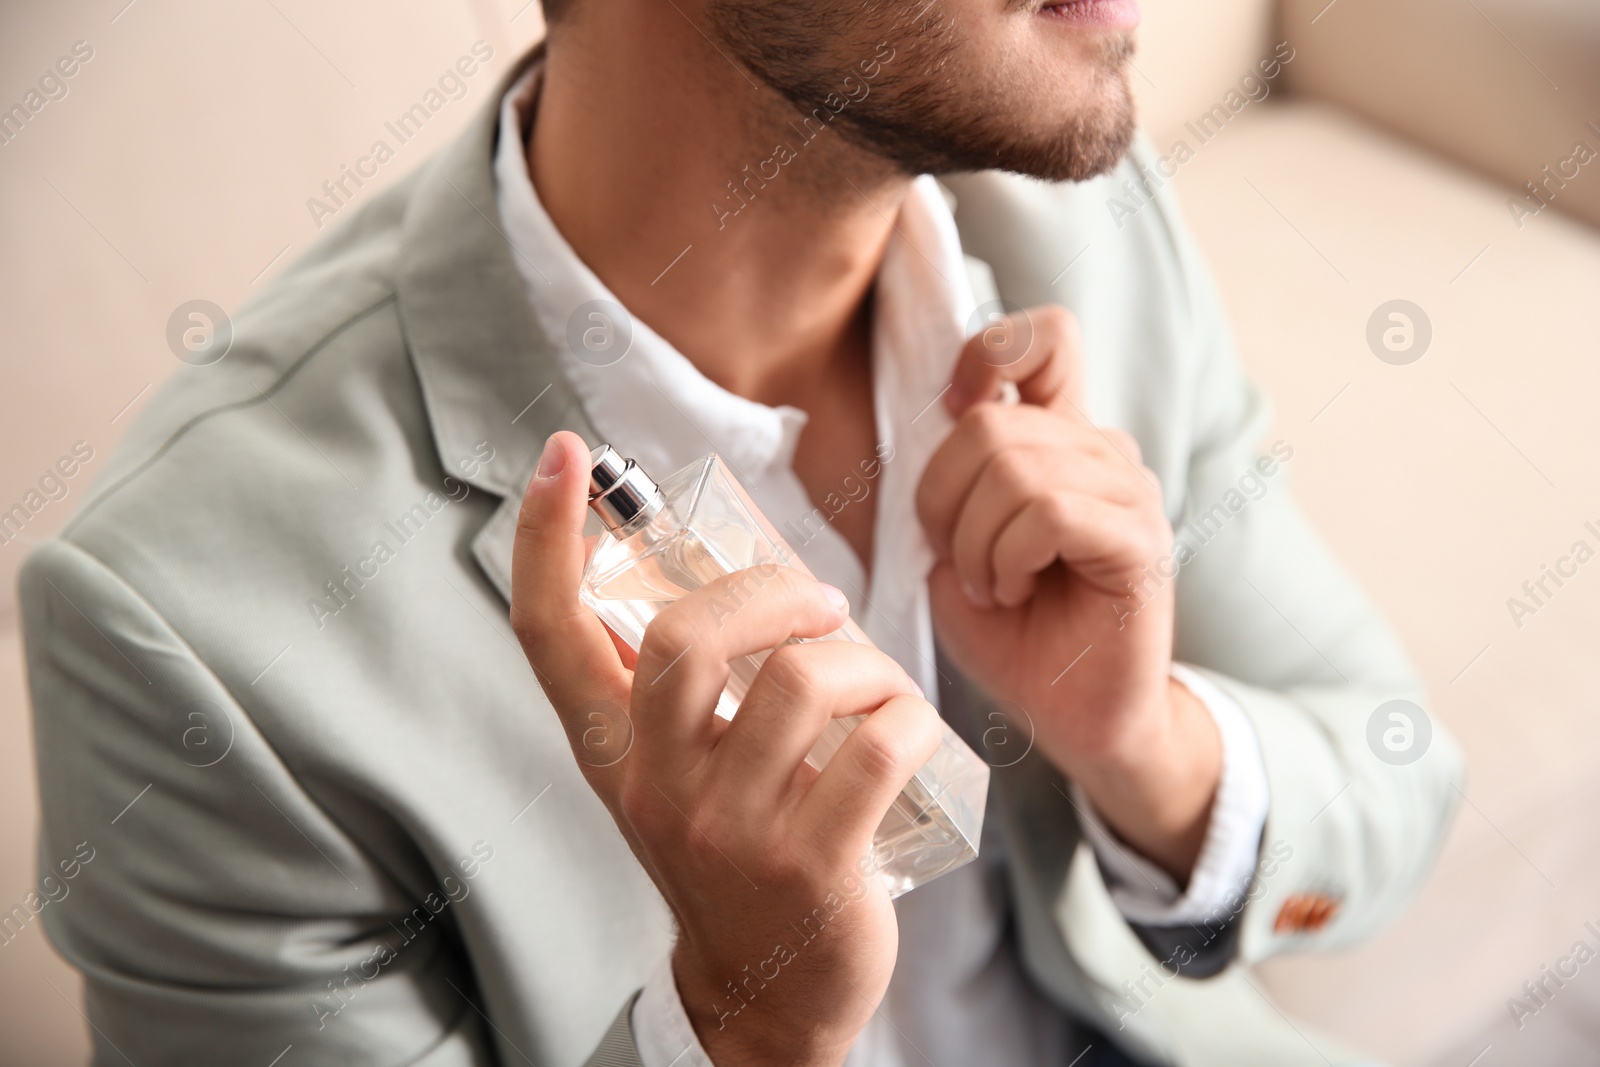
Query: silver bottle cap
[[619, 491]]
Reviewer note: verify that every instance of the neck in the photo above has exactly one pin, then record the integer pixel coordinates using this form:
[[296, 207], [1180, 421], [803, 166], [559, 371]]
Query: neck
[[638, 136]]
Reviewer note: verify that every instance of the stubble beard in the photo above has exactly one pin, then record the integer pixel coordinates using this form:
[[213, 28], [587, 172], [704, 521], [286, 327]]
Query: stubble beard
[[924, 113]]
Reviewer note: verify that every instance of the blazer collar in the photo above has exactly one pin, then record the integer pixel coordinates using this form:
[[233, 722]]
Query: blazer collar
[[486, 369]]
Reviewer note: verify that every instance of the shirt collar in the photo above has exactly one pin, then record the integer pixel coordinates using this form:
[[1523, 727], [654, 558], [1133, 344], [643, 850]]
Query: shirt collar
[[651, 402], [645, 396]]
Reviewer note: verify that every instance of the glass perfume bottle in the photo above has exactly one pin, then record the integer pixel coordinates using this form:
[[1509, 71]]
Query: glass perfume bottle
[[665, 540]]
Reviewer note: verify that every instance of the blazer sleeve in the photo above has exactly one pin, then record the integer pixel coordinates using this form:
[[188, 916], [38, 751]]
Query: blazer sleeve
[[1268, 614], [222, 916]]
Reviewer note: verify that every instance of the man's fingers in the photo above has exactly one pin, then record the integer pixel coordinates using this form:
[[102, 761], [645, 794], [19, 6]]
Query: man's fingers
[[979, 436], [850, 797], [1013, 478], [684, 660], [1103, 543], [799, 690], [1040, 349], [567, 644]]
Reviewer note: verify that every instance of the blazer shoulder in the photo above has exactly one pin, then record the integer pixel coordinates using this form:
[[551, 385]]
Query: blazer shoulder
[[335, 303]]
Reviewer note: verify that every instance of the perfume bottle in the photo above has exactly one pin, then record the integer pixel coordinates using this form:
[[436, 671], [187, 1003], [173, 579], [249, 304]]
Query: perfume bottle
[[665, 540]]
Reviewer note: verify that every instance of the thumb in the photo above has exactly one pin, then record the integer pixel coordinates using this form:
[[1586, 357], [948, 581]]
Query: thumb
[[1039, 348], [566, 643]]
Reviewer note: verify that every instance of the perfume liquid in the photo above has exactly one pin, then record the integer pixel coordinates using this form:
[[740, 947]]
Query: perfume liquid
[[666, 540]]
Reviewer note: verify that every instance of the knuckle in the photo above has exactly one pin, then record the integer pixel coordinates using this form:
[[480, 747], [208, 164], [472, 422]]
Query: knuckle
[[535, 620], [699, 848], [880, 668], [880, 753], [1148, 540], [792, 585], [779, 866], [1058, 322], [706, 836], [667, 636], [538, 632], [1058, 508], [1127, 444], [788, 675], [1013, 469], [525, 624], [1155, 494], [527, 524], [988, 422], [1147, 490], [769, 583], [1161, 534], [641, 805]]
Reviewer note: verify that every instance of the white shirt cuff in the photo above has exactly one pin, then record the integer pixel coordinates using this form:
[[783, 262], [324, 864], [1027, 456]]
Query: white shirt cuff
[[661, 1027], [1147, 895]]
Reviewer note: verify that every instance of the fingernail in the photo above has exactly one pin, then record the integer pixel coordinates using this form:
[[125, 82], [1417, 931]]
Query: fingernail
[[972, 594], [836, 597], [552, 461]]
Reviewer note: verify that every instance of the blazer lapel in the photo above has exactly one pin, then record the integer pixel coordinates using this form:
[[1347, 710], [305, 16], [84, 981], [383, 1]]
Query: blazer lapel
[[488, 373]]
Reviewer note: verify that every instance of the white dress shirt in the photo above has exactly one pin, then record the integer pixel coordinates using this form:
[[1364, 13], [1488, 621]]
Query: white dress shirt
[[958, 987]]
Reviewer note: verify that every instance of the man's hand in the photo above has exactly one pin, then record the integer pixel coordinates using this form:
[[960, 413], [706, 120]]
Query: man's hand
[[786, 937], [1044, 525]]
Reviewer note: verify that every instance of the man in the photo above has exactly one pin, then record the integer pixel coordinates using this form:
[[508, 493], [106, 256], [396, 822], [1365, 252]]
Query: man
[[280, 660]]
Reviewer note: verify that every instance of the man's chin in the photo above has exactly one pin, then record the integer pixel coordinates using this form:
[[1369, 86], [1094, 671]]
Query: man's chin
[[1074, 123], [1092, 137], [1074, 159], [1085, 143]]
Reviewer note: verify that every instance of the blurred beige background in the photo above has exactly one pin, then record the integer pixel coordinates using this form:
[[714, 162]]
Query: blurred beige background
[[178, 164]]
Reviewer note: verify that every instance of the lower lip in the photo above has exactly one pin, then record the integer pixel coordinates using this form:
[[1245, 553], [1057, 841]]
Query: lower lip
[[1102, 14]]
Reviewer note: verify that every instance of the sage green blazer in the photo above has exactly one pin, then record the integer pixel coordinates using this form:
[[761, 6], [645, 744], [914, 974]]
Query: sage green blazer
[[276, 691]]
